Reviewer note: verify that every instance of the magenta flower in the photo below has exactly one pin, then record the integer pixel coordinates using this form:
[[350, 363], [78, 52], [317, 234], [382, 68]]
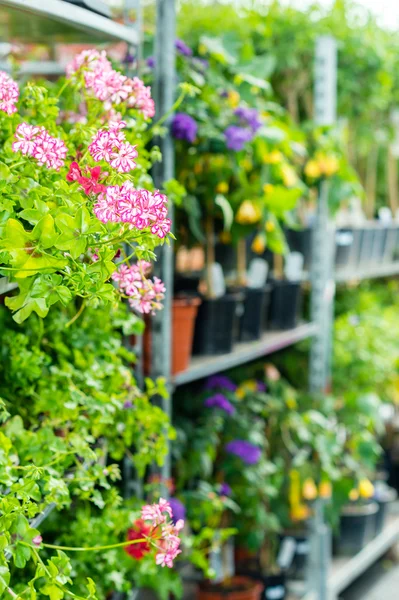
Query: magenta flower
[[110, 145], [37, 142], [248, 453], [184, 127], [169, 542], [221, 402], [9, 94], [145, 295]]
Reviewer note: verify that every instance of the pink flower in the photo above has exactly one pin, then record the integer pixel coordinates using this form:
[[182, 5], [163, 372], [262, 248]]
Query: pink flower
[[168, 541], [37, 540], [91, 61], [37, 142], [123, 159], [111, 86], [141, 98], [9, 94], [145, 295]]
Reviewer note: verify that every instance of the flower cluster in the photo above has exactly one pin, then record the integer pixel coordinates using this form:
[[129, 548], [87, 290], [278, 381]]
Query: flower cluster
[[182, 48], [37, 142], [184, 127], [248, 453], [108, 85], [220, 401], [139, 208], [249, 117], [237, 137], [220, 382], [110, 145], [168, 542], [9, 94], [140, 530], [91, 183], [145, 295]]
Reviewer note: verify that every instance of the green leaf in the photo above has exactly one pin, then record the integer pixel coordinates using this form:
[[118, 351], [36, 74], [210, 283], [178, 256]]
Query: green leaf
[[52, 590], [4, 578], [45, 232], [228, 213], [4, 171]]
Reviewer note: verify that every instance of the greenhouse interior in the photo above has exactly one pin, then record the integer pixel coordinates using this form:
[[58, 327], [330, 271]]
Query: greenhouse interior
[[199, 260]]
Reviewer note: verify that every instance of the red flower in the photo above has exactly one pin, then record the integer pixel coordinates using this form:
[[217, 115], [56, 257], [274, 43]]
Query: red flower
[[89, 184], [140, 530]]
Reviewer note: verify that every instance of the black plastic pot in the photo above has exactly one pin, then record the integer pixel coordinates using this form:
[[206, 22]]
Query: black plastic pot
[[285, 304], [357, 528], [255, 308], [380, 238], [344, 240], [387, 497], [274, 586], [216, 325], [297, 569], [390, 243], [301, 241], [226, 256]]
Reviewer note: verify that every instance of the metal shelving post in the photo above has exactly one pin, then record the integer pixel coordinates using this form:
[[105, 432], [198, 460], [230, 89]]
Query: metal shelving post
[[322, 301], [164, 95]]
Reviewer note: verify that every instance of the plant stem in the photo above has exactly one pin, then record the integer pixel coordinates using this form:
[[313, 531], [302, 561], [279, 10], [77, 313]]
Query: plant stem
[[63, 87], [94, 548], [81, 309], [170, 111]]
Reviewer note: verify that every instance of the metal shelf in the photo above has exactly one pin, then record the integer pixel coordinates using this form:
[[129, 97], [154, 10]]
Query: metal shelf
[[345, 570], [54, 21], [371, 272], [6, 286], [202, 366]]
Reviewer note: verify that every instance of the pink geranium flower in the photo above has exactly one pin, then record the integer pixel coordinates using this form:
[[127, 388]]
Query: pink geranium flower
[[9, 94]]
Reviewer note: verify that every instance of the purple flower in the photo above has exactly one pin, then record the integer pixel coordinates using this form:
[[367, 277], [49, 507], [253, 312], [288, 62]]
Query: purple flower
[[182, 48], [128, 404], [201, 63], [248, 453], [249, 116], [178, 510], [220, 401], [150, 62], [261, 386], [225, 489], [237, 137], [184, 127], [220, 381]]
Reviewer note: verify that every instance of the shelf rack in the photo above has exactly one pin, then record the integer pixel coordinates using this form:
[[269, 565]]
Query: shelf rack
[[270, 342], [57, 21], [372, 272]]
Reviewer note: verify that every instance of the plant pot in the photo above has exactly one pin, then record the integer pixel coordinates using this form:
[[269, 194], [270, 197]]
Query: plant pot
[[273, 586], [390, 244], [285, 304], [301, 241], [387, 497], [344, 240], [354, 253], [216, 325], [297, 569], [226, 256], [380, 238], [256, 306], [357, 528], [238, 588], [184, 312]]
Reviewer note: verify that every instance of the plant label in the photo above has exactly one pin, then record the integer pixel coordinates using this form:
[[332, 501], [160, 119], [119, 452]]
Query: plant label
[[257, 273]]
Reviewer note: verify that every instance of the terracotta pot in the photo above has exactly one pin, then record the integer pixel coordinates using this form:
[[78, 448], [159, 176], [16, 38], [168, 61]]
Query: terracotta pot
[[184, 312], [238, 588]]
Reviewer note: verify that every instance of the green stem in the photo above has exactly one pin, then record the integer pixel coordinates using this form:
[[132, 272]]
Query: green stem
[[81, 309], [170, 111], [63, 87], [94, 548]]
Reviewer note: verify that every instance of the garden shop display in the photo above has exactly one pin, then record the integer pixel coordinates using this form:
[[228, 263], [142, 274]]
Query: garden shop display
[[77, 205]]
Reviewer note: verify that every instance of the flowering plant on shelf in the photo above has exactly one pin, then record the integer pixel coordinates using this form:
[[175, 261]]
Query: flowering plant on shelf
[[76, 194]]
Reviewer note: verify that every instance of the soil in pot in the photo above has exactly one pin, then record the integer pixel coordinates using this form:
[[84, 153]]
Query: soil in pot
[[357, 528], [237, 588], [285, 304], [216, 325], [384, 499]]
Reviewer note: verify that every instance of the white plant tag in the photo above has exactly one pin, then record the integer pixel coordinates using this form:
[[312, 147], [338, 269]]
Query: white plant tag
[[217, 278], [294, 266], [385, 215], [343, 238], [275, 593], [286, 553], [257, 273]]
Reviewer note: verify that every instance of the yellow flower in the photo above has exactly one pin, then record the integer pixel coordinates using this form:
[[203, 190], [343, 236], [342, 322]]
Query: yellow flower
[[248, 213], [225, 237], [309, 489], [270, 226], [325, 489], [245, 387], [273, 158], [233, 98], [202, 49], [198, 168], [254, 90], [312, 169], [366, 488], [294, 492], [222, 187], [238, 79], [246, 164], [217, 161], [300, 513], [259, 244], [329, 165], [353, 495], [289, 176], [268, 188], [291, 402]]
